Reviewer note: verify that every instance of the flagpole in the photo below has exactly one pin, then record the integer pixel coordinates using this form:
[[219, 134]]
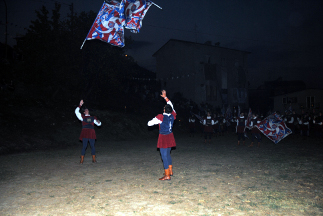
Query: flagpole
[[157, 5], [83, 43]]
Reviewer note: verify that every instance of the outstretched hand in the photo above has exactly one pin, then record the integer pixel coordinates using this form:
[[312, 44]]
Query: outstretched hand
[[81, 102], [163, 95]]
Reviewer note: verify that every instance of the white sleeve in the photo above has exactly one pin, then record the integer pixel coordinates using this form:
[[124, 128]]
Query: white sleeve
[[96, 122], [78, 114], [171, 104], [154, 121]]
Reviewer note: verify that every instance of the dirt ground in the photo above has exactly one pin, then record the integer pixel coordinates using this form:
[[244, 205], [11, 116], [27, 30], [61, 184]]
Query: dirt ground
[[219, 178]]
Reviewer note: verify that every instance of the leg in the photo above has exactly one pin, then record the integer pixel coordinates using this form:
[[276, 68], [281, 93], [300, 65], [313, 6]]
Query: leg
[[92, 142], [252, 138], [170, 162], [165, 157], [85, 141]]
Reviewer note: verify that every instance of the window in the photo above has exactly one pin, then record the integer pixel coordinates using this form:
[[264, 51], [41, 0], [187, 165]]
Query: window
[[211, 93], [284, 100], [210, 71], [289, 100], [310, 101]]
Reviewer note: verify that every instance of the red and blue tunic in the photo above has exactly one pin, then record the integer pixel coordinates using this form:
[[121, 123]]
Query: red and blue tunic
[[88, 122], [166, 137]]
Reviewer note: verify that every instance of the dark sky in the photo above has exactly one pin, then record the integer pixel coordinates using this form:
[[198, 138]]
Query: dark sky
[[283, 36]]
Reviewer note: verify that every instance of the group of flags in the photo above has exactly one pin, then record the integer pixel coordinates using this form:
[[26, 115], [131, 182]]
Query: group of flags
[[114, 16]]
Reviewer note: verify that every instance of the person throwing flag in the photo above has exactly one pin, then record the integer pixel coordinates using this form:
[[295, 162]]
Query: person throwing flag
[[166, 138], [88, 132]]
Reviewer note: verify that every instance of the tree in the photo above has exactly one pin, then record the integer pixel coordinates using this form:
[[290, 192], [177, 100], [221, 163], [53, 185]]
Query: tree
[[53, 59]]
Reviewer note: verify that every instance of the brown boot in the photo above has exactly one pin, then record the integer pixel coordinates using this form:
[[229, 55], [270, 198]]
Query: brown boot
[[238, 142], [166, 176], [251, 144], [258, 144], [82, 159], [170, 167], [93, 159]]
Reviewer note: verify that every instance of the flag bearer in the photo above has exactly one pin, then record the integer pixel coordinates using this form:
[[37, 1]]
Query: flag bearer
[[240, 129], [87, 133], [255, 132], [166, 140]]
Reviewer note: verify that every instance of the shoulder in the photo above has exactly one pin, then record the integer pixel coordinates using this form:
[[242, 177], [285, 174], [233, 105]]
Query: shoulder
[[160, 117]]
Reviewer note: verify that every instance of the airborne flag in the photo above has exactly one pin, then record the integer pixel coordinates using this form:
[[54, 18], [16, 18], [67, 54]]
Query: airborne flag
[[109, 24], [135, 11], [114, 16]]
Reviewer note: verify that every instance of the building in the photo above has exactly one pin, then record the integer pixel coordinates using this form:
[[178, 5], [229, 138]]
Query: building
[[307, 100], [203, 73], [261, 100]]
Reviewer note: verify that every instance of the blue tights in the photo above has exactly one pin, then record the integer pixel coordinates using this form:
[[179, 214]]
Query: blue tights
[[165, 154], [85, 141]]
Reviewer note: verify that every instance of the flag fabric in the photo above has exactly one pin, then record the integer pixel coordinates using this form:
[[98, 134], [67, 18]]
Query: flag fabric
[[109, 24], [198, 117], [114, 16], [274, 128], [228, 116], [249, 119], [135, 11]]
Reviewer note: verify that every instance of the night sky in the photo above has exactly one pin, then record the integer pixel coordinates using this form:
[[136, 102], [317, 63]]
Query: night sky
[[283, 36]]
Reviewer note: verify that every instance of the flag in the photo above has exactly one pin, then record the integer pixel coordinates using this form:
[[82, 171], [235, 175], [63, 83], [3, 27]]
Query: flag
[[249, 119], [135, 11], [109, 24], [274, 128], [198, 117]]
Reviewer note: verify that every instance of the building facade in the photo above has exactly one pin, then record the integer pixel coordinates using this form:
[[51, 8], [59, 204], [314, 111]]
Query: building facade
[[203, 73], [306, 100]]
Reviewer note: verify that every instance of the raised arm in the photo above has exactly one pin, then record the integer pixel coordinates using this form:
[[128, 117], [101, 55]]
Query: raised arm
[[163, 95], [77, 111]]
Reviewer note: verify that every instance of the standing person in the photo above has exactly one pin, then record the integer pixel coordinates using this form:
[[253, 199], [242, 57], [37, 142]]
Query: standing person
[[318, 125], [215, 126], [304, 125], [255, 132], [166, 138], [88, 132], [221, 120], [240, 129], [191, 121], [208, 127], [290, 121]]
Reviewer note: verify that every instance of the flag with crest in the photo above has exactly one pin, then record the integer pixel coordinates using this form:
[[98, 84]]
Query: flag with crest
[[135, 11], [274, 128], [109, 24]]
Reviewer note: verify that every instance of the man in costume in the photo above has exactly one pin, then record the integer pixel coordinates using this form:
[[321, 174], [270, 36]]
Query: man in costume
[[191, 121], [318, 125], [208, 127], [88, 132], [304, 125], [290, 118], [166, 138], [255, 132], [240, 129]]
